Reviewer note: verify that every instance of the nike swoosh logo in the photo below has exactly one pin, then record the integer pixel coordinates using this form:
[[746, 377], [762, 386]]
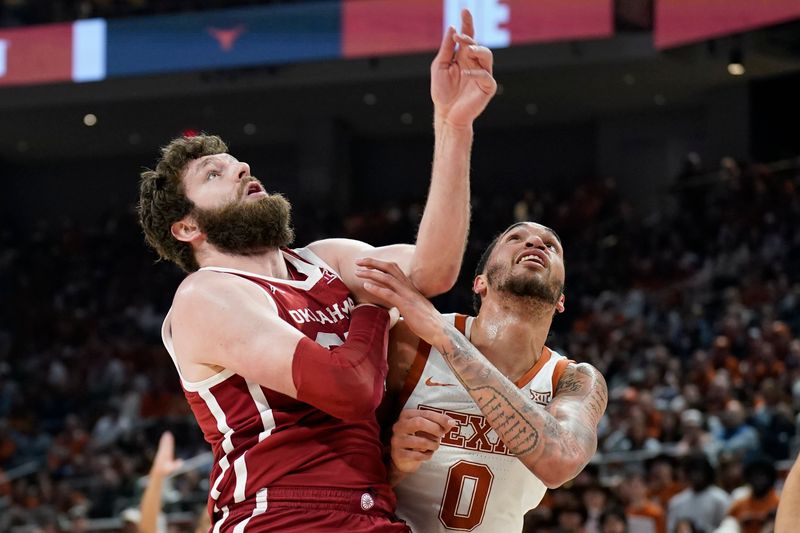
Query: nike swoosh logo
[[430, 383]]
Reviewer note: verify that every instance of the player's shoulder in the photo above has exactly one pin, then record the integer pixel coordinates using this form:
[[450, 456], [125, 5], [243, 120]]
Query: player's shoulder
[[200, 282], [207, 287], [337, 246], [338, 242], [576, 376]]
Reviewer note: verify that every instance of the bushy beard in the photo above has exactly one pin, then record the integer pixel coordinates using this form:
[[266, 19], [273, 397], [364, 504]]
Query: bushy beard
[[529, 287], [248, 228]]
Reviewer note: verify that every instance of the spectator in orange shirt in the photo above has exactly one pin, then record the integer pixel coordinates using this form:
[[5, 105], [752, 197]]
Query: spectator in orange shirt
[[662, 485], [753, 511], [647, 515], [723, 358]]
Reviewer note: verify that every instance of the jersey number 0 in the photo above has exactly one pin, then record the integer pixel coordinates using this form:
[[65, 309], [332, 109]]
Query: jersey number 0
[[466, 493]]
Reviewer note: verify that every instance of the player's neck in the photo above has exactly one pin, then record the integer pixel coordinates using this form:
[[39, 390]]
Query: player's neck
[[510, 336], [269, 263]]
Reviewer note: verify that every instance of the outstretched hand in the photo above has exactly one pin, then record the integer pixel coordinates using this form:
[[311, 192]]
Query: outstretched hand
[[388, 284], [164, 463], [461, 76]]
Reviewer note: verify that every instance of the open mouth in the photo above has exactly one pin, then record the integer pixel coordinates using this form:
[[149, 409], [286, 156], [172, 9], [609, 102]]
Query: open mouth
[[536, 257], [253, 188]]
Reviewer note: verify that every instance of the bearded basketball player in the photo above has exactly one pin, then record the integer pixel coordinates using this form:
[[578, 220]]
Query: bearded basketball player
[[280, 354]]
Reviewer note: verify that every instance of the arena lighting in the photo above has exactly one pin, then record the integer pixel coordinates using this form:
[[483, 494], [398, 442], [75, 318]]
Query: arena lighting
[[736, 64], [89, 119]]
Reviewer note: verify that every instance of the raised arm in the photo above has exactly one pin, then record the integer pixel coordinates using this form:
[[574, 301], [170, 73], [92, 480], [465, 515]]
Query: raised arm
[[789, 507], [220, 321], [164, 465], [554, 442], [461, 87]]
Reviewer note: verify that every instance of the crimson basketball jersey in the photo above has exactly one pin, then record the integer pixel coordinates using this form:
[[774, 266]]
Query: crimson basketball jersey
[[261, 438], [472, 482]]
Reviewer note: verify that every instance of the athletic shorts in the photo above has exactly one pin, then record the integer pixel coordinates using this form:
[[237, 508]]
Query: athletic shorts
[[289, 509]]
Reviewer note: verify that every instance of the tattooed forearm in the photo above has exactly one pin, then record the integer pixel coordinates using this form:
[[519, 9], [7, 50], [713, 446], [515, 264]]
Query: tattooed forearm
[[518, 433], [554, 442]]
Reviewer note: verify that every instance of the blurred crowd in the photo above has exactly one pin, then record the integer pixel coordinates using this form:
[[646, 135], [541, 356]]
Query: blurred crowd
[[691, 310], [28, 12]]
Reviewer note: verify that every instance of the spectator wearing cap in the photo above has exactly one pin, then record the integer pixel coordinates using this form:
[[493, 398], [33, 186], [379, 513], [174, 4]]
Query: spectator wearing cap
[[695, 437]]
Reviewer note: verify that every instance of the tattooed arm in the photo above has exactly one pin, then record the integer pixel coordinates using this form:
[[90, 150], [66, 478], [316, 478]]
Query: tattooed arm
[[554, 442]]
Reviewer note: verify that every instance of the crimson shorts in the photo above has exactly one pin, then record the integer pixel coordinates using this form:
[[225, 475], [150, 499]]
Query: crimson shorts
[[297, 509]]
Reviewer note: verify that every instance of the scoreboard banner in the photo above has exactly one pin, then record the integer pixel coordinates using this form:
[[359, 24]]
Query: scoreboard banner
[[225, 38], [377, 27], [90, 50], [53, 53], [679, 22]]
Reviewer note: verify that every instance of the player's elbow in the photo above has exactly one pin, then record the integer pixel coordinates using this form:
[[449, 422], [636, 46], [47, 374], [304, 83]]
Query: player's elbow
[[435, 281], [555, 475], [354, 402], [554, 472], [346, 382]]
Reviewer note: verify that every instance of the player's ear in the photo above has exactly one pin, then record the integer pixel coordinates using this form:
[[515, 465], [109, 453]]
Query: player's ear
[[186, 229], [480, 286], [560, 304]]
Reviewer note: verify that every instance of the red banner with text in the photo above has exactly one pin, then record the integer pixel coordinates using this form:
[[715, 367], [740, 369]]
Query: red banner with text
[[679, 22], [36, 54], [379, 27]]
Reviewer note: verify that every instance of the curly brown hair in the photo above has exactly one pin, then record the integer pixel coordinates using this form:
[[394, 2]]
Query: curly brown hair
[[162, 197]]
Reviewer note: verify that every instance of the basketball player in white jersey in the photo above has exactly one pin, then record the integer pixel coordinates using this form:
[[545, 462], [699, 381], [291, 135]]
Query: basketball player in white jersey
[[491, 417]]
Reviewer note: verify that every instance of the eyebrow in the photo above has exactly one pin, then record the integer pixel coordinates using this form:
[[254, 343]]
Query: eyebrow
[[520, 224], [209, 160]]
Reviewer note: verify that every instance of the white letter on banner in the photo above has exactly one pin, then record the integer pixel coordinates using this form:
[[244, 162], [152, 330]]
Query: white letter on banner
[[3, 52], [89, 50], [489, 16]]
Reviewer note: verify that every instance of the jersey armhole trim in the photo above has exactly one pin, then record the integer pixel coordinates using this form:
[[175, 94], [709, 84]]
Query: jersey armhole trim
[[561, 366], [222, 375], [191, 386], [415, 372], [314, 259], [460, 322]]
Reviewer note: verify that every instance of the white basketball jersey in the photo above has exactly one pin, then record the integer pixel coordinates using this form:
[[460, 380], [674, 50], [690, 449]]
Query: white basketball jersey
[[472, 482]]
